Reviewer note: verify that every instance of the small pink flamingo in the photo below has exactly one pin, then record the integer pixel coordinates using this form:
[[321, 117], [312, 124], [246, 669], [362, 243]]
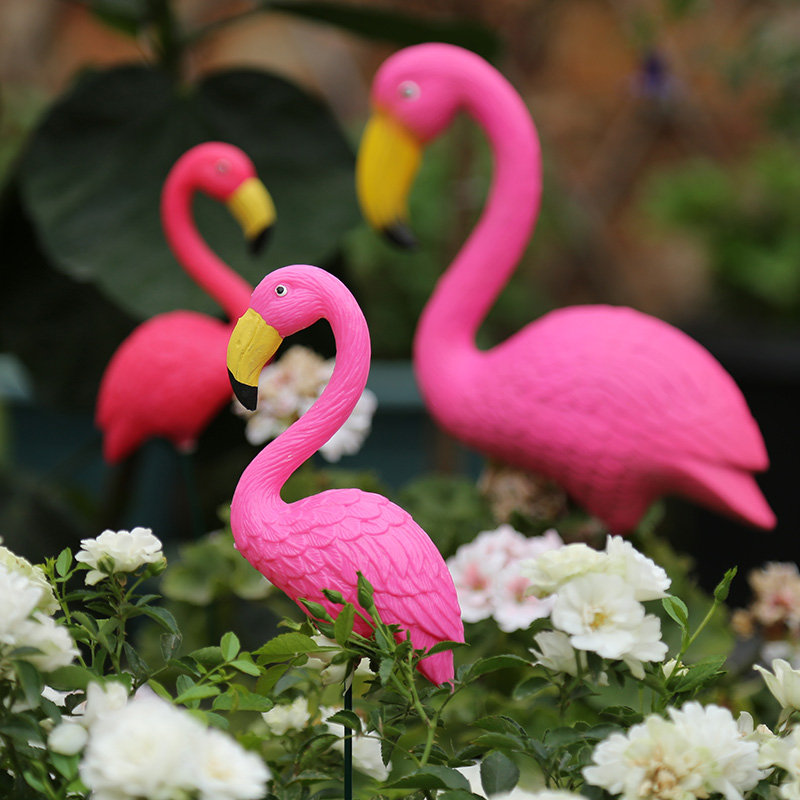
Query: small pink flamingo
[[167, 378], [321, 542], [616, 406]]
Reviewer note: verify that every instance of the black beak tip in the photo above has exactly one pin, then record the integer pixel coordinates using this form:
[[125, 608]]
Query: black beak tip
[[246, 395], [399, 234], [257, 244]]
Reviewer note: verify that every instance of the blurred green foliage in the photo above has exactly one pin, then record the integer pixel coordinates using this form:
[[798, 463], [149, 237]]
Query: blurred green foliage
[[747, 218]]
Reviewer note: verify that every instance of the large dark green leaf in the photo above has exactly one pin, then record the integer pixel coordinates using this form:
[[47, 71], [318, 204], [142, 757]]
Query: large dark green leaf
[[394, 26], [93, 173]]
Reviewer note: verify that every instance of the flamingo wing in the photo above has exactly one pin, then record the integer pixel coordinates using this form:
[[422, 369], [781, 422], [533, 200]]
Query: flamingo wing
[[330, 537]]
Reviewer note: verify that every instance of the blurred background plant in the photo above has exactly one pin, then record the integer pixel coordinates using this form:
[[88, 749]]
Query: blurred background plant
[[98, 98]]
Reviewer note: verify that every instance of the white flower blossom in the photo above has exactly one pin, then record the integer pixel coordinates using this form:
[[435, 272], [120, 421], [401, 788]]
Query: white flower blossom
[[783, 682], [649, 581], [553, 569], [287, 388], [226, 771], [47, 602], [322, 660], [558, 655], [600, 613], [287, 716], [67, 738], [151, 749], [101, 700], [22, 625], [647, 646], [697, 752], [119, 551], [366, 755]]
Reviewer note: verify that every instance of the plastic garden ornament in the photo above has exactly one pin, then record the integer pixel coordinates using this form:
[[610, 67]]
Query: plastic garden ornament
[[323, 541], [616, 406], [168, 377]]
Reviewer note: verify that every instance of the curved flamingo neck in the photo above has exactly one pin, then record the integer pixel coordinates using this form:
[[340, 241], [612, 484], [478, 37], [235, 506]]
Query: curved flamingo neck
[[208, 270], [483, 266], [263, 479]]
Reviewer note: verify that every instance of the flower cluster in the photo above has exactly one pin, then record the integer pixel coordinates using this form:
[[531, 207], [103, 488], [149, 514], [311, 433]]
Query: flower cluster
[[487, 577], [288, 387], [698, 751], [120, 551], [27, 602], [149, 748], [597, 601]]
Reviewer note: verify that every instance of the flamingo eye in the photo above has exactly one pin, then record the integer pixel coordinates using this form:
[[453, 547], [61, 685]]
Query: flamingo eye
[[223, 166], [281, 290], [408, 90]]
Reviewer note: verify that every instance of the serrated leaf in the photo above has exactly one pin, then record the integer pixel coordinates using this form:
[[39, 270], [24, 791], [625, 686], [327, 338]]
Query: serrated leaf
[[70, 677], [247, 667], [494, 663], [209, 657], [499, 774], [677, 609], [197, 693], [163, 617], [159, 690], [431, 777], [31, 681], [286, 645], [699, 674], [343, 626], [347, 719], [66, 765], [229, 646], [64, 562], [530, 687], [441, 647], [170, 644]]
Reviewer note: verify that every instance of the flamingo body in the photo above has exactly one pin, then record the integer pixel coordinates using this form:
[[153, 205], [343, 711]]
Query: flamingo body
[[321, 542], [167, 378], [617, 406]]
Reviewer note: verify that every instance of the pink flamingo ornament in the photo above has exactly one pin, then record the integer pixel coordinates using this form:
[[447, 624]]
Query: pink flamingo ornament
[[322, 541], [616, 406], [167, 378]]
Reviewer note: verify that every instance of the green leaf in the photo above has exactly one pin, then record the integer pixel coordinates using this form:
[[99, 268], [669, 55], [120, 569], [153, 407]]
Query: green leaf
[[343, 626], [66, 765], [163, 617], [70, 677], [267, 681], [31, 682], [64, 562], [239, 698], [699, 674], [531, 687], [431, 777], [395, 26], [247, 667], [197, 693], [498, 773], [501, 741], [286, 645], [494, 663], [456, 794], [441, 647], [170, 644], [347, 719], [229, 644], [92, 176], [209, 657], [677, 609], [159, 690], [139, 666]]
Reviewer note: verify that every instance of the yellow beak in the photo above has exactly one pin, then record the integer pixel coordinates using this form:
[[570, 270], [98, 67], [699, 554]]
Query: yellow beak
[[252, 206], [251, 345], [388, 161]]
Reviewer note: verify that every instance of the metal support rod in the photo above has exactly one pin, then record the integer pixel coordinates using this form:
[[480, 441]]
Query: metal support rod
[[348, 741]]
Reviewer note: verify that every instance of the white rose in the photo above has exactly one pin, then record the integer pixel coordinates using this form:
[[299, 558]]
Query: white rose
[[287, 717], [119, 551], [783, 682], [600, 614], [68, 738], [554, 568], [47, 600], [226, 771], [649, 581], [558, 655]]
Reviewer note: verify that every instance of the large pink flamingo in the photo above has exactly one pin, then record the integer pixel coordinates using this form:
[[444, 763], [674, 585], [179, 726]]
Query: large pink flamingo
[[168, 378], [617, 406], [322, 541]]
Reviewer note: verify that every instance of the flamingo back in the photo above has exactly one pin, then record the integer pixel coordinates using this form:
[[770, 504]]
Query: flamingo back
[[617, 406]]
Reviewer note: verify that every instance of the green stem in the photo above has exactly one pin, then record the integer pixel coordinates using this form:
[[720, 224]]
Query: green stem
[[714, 606]]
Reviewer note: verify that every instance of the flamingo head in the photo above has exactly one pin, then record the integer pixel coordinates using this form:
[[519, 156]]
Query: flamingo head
[[286, 301], [226, 174], [415, 95]]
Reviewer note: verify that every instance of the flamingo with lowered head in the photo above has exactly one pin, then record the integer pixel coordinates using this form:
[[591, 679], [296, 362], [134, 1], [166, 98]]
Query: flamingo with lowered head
[[617, 406], [168, 377], [322, 541]]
